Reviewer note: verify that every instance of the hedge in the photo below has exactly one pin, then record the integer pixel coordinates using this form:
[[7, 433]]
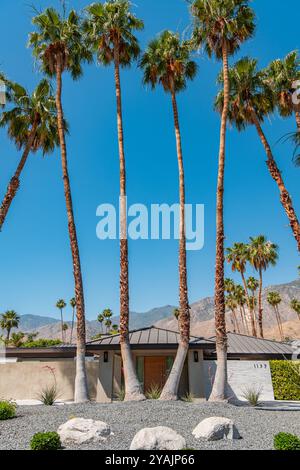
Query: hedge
[[286, 379]]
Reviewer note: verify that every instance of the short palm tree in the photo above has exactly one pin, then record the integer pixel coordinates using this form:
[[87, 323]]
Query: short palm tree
[[232, 305], [8, 321], [31, 123], [73, 305], [108, 324], [250, 103], [110, 31], [167, 62], [238, 257], [17, 339], [100, 319], [274, 299], [59, 47], [221, 26], [295, 305], [262, 254], [281, 76], [240, 296], [61, 304]]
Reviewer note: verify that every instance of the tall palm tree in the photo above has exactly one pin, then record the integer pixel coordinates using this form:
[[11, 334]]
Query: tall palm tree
[[167, 62], [73, 305], [281, 76], [8, 321], [262, 254], [238, 256], [100, 319], [274, 299], [61, 304], [110, 31], [250, 103], [58, 46], [295, 305], [221, 26], [32, 125]]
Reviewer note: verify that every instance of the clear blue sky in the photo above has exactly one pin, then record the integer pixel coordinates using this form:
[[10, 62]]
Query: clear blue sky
[[35, 260]]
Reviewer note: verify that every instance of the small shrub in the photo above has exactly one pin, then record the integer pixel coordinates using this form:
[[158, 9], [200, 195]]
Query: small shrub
[[120, 394], [45, 441], [154, 392], [286, 441], [188, 398], [48, 395], [252, 395], [286, 379], [7, 410]]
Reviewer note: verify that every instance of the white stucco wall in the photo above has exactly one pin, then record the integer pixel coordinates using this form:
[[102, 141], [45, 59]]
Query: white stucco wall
[[243, 375]]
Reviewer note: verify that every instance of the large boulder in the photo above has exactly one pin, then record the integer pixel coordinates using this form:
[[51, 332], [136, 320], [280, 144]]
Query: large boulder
[[215, 429], [159, 438], [80, 431]]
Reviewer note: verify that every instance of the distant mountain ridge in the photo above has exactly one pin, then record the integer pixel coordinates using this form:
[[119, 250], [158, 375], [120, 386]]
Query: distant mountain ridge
[[202, 317]]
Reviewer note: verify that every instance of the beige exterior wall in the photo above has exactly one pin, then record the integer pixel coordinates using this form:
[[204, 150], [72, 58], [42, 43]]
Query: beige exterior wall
[[25, 380], [196, 375]]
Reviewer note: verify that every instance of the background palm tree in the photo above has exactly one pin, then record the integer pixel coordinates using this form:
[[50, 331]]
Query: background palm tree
[[240, 296], [253, 285], [274, 299], [17, 339], [100, 319], [281, 76], [167, 62], [73, 305], [238, 256], [295, 305], [262, 254], [221, 27], [232, 305], [110, 33], [250, 102], [8, 321], [32, 125], [61, 304], [58, 46]]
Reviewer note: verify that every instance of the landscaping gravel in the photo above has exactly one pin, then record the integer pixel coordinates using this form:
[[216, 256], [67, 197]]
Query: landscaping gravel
[[257, 427]]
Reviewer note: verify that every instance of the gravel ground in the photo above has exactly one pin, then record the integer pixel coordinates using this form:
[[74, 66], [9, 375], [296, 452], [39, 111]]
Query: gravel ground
[[257, 427]]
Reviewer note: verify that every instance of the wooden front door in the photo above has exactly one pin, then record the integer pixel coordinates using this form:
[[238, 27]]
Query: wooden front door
[[155, 371]]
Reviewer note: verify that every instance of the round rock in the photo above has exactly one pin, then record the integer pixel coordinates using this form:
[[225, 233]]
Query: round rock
[[215, 429], [159, 438], [80, 431]]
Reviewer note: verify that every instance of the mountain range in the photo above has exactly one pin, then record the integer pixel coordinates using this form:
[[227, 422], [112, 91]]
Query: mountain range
[[202, 318]]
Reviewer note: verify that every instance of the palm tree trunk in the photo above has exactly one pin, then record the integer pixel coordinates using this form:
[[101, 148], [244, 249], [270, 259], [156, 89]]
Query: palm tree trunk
[[170, 390], [133, 389], [280, 323], [251, 314], [219, 390], [14, 183], [62, 325], [245, 320], [8, 335], [72, 327], [260, 309], [236, 321], [297, 115], [81, 386], [285, 198]]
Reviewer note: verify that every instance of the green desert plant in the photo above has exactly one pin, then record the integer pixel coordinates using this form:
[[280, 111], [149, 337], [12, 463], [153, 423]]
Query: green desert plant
[[252, 395], [120, 394], [49, 393], [42, 343], [154, 392], [7, 410], [45, 441], [286, 441], [188, 397]]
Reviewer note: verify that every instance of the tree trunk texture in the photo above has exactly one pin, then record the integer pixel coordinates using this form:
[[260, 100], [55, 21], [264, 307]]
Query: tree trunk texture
[[219, 390], [285, 198], [81, 385], [14, 183], [260, 308], [133, 389], [170, 390]]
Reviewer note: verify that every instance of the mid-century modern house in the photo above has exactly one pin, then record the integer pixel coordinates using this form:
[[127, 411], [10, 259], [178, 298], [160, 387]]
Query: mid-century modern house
[[25, 372]]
